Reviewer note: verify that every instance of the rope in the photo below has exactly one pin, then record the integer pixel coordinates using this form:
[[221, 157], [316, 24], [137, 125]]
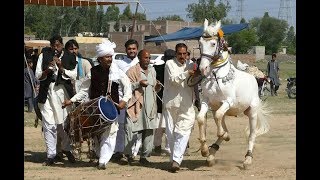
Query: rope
[[152, 23]]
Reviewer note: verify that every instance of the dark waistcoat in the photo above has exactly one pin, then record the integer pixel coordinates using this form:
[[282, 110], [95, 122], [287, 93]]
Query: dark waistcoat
[[69, 62], [99, 84]]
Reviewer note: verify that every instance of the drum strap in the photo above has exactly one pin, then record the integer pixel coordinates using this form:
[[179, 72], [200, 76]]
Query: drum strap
[[109, 92]]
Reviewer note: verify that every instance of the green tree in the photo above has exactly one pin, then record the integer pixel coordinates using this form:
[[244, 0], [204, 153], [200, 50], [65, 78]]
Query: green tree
[[101, 24], [83, 23], [242, 41], [112, 13], [127, 14], [92, 19], [242, 20], [271, 33], [290, 41], [39, 19], [208, 9], [170, 18], [140, 16]]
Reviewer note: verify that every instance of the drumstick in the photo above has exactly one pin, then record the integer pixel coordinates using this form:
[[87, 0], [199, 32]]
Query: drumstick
[[109, 97]]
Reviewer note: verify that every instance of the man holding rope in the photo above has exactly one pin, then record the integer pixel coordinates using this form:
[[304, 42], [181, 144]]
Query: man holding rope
[[178, 110], [142, 107]]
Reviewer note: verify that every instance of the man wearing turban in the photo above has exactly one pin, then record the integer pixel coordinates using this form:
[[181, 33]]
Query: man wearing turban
[[100, 78]]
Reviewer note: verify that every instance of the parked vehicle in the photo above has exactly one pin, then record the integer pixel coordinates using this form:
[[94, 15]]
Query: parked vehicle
[[156, 59], [291, 87], [264, 86], [116, 56]]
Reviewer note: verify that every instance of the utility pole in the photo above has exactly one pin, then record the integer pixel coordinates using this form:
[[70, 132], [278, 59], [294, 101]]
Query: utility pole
[[134, 20], [285, 11], [239, 11]]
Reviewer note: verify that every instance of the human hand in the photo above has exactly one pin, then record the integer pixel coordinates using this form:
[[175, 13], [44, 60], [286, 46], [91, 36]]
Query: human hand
[[122, 104], [144, 83], [37, 87], [191, 72], [57, 61], [51, 67], [66, 103], [157, 86]]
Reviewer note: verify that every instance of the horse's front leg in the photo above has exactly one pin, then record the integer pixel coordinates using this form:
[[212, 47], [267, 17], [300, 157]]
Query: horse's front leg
[[202, 137], [218, 116], [216, 145]]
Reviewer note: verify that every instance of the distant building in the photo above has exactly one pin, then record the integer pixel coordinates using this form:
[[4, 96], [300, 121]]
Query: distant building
[[28, 37], [148, 29], [283, 50], [258, 51]]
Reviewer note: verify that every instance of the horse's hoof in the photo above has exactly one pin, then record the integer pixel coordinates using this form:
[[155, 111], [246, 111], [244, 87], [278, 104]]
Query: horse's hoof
[[210, 161], [204, 150], [225, 136], [205, 153], [247, 162], [246, 166]]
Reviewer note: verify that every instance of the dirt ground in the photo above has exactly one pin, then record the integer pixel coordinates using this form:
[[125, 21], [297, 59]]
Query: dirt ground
[[274, 157]]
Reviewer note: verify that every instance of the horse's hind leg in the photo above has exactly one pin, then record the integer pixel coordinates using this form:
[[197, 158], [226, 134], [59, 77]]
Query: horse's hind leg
[[216, 145], [252, 114]]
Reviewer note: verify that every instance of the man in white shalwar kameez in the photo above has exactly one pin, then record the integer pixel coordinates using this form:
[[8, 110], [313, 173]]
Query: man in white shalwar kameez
[[178, 111], [131, 59], [55, 70], [96, 85]]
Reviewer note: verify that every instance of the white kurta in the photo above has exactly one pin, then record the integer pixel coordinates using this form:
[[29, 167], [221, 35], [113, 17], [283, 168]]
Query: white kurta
[[126, 63], [53, 116], [107, 142], [178, 111], [86, 67], [123, 65], [176, 92], [51, 110]]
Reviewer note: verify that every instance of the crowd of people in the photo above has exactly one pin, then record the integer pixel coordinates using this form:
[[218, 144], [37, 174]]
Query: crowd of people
[[151, 100]]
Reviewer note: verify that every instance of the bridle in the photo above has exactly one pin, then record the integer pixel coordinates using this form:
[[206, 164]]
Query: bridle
[[217, 60], [214, 59]]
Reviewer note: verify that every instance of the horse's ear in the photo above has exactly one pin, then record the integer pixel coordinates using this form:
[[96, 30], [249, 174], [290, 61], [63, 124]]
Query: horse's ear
[[219, 24], [205, 24], [216, 27]]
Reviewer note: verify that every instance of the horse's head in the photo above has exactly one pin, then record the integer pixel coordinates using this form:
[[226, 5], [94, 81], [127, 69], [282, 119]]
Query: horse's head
[[210, 45]]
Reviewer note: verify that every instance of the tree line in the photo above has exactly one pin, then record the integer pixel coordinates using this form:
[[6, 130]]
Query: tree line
[[44, 21]]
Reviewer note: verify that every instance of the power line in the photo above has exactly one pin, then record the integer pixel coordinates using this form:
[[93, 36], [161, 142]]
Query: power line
[[285, 11], [239, 10]]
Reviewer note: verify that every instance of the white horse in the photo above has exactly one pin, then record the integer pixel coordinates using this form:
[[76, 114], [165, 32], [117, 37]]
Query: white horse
[[229, 92]]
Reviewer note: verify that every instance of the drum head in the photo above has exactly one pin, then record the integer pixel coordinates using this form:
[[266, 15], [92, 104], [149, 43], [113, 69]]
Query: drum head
[[107, 109]]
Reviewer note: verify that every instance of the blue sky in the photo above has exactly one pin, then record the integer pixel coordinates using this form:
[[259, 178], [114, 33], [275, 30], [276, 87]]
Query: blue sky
[[251, 8]]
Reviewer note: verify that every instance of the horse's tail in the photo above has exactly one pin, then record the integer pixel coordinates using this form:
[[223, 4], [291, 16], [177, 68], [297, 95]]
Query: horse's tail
[[264, 112]]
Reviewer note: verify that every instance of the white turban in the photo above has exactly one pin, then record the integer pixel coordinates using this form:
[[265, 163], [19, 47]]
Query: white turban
[[106, 47]]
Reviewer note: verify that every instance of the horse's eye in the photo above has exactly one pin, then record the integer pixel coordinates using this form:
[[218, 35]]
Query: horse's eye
[[206, 36]]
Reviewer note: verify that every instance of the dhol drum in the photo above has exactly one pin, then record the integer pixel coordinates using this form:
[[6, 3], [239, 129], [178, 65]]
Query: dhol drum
[[91, 118]]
